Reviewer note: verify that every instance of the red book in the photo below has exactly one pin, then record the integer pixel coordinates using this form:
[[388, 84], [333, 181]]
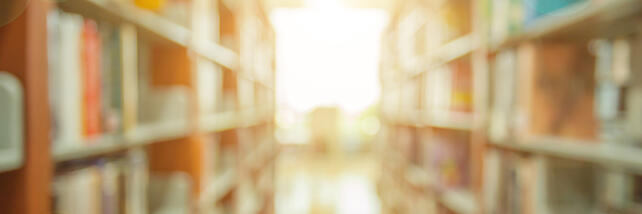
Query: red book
[[462, 86], [91, 79]]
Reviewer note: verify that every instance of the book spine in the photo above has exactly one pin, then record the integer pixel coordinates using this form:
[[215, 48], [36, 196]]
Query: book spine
[[66, 81], [92, 80]]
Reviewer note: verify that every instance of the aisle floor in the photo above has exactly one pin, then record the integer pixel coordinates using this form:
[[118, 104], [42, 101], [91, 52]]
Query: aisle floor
[[326, 184]]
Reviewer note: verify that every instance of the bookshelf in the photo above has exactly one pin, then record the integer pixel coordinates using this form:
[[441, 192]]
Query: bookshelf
[[553, 88], [183, 106], [428, 107]]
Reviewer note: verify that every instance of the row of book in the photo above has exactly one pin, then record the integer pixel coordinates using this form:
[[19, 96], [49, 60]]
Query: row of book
[[239, 171], [585, 91], [518, 184], [85, 79], [445, 153], [449, 88], [99, 71], [109, 186], [438, 92], [419, 30], [101, 81], [120, 185]]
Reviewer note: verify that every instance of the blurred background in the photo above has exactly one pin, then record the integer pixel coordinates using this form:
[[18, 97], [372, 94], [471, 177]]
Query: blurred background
[[320, 106]]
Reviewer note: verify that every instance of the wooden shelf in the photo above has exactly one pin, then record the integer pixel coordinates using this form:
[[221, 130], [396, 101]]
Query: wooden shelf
[[601, 153], [150, 22], [219, 121], [219, 187], [582, 20], [446, 120], [99, 146], [459, 201], [447, 53], [143, 135], [151, 133], [229, 120]]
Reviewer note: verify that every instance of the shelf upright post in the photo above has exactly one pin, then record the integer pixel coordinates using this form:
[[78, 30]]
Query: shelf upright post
[[24, 54]]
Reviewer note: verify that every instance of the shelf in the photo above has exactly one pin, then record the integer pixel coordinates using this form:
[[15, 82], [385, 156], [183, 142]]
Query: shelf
[[150, 22], [219, 187], [256, 116], [98, 146], [150, 133], [219, 121], [444, 120], [217, 53], [449, 120], [447, 53], [459, 201], [601, 153], [582, 20], [142, 135], [232, 119]]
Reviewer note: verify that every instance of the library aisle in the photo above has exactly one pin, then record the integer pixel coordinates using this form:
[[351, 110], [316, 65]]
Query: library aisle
[[320, 106]]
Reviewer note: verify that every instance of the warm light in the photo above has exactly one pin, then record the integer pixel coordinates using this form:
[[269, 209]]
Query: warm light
[[328, 58], [323, 4]]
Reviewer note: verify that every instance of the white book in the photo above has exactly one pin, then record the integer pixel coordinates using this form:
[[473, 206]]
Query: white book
[[209, 86], [65, 78], [503, 101], [245, 93], [440, 90]]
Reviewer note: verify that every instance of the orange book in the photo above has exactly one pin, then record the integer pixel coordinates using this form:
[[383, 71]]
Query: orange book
[[557, 90], [91, 50]]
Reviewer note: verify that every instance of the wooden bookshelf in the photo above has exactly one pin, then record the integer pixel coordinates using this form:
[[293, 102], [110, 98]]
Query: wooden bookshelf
[[575, 26], [147, 21], [174, 63], [418, 115]]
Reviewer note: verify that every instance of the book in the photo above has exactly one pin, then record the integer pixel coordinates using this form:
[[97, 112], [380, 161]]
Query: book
[[503, 96], [611, 70], [91, 51], [556, 94], [572, 187], [449, 152], [85, 87], [65, 84], [462, 86], [535, 9], [210, 89], [116, 185], [438, 90], [111, 76]]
